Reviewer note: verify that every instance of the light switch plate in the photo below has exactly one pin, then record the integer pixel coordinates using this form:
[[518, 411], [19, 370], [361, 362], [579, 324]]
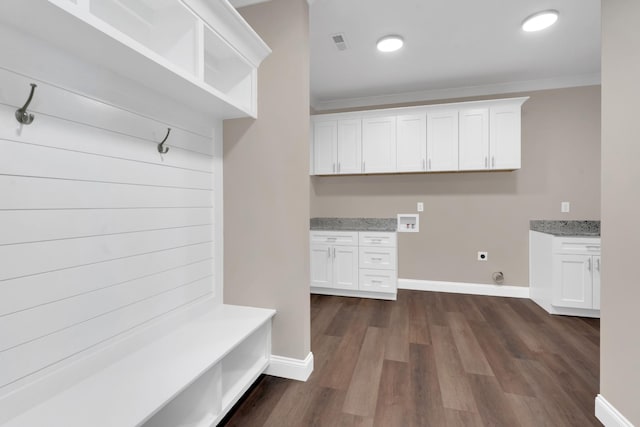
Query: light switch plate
[[565, 207], [420, 207]]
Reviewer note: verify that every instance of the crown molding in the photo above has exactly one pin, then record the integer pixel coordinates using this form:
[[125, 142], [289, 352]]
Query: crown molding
[[459, 92]]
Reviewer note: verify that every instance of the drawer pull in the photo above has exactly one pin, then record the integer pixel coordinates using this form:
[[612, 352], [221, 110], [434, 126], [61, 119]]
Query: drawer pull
[[593, 247], [331, 238], [376, 281], [376, 259]]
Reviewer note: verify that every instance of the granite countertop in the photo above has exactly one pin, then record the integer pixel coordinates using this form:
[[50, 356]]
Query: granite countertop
[[354, 224], [572, 228]]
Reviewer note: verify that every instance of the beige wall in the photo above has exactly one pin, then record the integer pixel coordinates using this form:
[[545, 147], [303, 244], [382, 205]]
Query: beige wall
[[468, 212], [620, 339], [266, 187]]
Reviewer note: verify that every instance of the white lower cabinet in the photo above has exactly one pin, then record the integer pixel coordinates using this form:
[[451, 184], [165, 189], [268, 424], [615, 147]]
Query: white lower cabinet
[[345, 267], [565, 274], [574, 281], [354, 263], [334, 264]]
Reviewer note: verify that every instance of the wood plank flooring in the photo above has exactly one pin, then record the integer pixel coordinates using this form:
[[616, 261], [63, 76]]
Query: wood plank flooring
[[436, 359]]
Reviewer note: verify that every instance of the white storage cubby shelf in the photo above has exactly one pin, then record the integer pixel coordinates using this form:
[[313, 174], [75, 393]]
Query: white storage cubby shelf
[[190, 376], [456, 137], [200, 53]]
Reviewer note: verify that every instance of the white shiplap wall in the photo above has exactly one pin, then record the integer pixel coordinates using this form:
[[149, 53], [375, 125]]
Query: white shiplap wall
[[99, 233]]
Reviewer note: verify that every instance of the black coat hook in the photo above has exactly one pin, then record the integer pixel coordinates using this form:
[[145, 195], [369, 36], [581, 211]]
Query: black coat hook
[[22, 115], [161, 148]]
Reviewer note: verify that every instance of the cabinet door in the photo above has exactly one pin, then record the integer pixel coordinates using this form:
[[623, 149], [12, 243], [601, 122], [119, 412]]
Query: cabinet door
[[325, 138], [411, 143], [574, 281], [504, 137], [345, 267], [596, 282], [349, 146], [474, 139], [379, 144], [321, 261], [442, 140]]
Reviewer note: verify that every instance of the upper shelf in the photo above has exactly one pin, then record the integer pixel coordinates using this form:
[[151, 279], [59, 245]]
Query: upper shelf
[[200, 53]]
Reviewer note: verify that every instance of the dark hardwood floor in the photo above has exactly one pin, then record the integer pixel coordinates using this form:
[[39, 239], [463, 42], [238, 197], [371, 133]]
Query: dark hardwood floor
[[436, 359]]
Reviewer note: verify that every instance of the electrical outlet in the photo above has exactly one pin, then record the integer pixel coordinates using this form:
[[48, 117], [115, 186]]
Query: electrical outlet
[[483, 256], [565, 207], [420, 207]]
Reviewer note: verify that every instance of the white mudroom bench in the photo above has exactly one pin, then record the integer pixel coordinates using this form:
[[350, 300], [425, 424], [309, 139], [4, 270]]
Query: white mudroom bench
[[170, 376]]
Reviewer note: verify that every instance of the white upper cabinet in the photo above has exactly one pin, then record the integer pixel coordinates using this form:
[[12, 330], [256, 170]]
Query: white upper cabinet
[[474, 139], [465, 136], [349, 154], [442, 140], [198, 52], [325, 136], [411, 143], [504, 137], [379, 144], [337, 146]]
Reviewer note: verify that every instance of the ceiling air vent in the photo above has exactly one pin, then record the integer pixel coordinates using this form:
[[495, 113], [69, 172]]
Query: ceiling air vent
[[339, 41]]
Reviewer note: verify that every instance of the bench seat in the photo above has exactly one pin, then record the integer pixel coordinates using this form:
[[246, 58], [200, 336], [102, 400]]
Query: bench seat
[[191, 376]]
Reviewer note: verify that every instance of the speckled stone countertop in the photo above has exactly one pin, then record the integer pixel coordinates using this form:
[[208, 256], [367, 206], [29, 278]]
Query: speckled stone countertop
[[567, 228], [354, 224]]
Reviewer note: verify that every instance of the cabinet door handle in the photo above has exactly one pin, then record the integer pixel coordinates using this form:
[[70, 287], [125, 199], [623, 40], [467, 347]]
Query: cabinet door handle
[[598, 265], [424, 165], [364, 166], [334, 253], [429, 164], [334, 168], [486, 162], [328, 252], [589, 264], [493, 162], [338, 167]]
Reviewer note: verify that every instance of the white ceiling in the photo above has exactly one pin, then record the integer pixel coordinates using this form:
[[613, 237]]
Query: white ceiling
[[453, 48]]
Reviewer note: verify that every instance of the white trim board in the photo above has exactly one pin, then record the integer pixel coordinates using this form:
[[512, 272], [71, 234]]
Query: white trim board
[[464, 288], [609, 415], [320, 105], [293, 369]]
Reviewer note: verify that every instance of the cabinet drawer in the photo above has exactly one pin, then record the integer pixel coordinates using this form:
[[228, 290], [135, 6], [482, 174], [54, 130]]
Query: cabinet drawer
[[378, 281], [377, 238], [378, 258], [335, 237], [576, 245]]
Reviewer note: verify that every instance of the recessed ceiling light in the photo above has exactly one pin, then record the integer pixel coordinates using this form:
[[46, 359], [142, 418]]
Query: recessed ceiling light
[[390, 43], [540, 21]]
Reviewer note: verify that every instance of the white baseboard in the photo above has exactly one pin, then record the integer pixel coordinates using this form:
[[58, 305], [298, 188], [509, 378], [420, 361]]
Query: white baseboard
[[293, 369], [355, 294], [464, 288], [609, 415]]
